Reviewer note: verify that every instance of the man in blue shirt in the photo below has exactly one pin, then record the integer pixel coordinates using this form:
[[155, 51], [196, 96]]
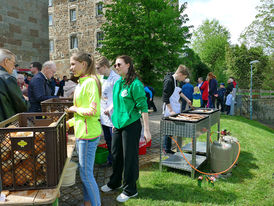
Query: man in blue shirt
[[187, 90]]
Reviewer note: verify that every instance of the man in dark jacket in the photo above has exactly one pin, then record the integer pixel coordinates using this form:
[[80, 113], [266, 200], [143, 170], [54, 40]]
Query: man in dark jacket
[[229, 87], [61, 86], [39, 88], [221, 97], [12, 100]]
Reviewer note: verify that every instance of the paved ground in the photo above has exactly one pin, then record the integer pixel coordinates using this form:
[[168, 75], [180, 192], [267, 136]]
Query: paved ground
[[72, 196]]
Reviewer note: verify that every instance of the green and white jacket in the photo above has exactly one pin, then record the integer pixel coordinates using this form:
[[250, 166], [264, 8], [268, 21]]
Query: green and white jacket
[[129, 101], [86, 119]]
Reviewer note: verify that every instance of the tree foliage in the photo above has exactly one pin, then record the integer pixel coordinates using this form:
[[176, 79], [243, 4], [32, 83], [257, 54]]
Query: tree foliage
[[238, 60], [152, 32], [260, 31], [193, 61], [209, 42]]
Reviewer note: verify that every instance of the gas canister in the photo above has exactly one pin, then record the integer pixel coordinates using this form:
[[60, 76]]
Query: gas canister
[[221, 156]]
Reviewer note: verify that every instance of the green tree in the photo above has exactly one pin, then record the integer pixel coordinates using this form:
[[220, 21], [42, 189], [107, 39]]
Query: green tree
[[238, 59], [151, 32], [268, 74], [209, 42], [193, 61], [260, 31]]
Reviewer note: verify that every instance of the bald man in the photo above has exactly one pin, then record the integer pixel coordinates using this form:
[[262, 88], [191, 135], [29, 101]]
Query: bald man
[[39, 89], [11, 97]]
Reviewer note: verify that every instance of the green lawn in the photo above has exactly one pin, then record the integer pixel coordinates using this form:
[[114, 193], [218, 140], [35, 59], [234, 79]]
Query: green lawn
[[252, 182]]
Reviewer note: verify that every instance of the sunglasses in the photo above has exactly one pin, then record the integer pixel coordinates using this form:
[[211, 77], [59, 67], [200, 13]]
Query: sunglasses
[[117, 65]]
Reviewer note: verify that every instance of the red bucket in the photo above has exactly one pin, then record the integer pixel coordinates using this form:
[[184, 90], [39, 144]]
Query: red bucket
[[142, 150], [103, 146], [149, 144]]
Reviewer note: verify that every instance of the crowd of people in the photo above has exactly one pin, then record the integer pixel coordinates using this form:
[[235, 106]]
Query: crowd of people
[[179, 95], [207, 94], [103, 100], [108, 101]]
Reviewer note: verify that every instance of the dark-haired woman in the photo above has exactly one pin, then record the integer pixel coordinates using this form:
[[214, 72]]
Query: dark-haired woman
[[129, 104], [87, 128], [212, 89]]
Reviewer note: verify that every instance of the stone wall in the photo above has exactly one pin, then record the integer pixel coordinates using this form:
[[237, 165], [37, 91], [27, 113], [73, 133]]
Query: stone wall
[[262, 109], [24, 30], [85, 27]]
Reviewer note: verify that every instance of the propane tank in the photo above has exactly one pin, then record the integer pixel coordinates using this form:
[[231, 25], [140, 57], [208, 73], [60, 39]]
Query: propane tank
[[235, 148], [220, 156]]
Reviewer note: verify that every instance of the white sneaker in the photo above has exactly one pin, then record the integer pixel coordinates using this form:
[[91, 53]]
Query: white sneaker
[[106, 188], [123, 198]]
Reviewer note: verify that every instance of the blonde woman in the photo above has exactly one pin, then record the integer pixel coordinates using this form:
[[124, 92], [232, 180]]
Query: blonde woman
[[86, 109], [109, 77]]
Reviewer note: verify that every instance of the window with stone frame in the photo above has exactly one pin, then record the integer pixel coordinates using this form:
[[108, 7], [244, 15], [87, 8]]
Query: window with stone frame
[[99, 9], [73, 42], [50, 2], [99, 38], [50, 20], [51, 45], [72, 14]]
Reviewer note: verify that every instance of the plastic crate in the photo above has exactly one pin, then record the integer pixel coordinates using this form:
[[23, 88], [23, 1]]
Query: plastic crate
[[58, 105], [33, 153], [101, 155]]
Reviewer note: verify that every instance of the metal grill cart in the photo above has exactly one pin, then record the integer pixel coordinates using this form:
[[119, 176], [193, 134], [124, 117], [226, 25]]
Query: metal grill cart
[[214, 118], [182, 128]]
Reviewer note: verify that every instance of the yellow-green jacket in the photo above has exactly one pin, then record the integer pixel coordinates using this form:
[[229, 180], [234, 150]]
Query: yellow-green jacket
[[86, 119]]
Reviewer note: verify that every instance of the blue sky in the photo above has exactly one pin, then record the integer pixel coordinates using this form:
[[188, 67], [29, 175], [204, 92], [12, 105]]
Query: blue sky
[[235, 15]]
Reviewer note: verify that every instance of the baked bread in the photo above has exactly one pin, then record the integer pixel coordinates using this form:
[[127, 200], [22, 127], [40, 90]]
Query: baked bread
[[41, 158], [6, 166], [5, 155], [7, 179]]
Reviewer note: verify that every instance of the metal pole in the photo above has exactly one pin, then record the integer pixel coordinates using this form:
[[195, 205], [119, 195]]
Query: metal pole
[[250, 91]]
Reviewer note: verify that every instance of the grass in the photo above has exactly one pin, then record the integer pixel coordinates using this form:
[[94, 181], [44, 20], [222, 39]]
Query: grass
[[251, 183]]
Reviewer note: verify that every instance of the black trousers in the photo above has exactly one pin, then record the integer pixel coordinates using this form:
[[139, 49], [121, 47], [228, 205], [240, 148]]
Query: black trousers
[[222, 103], [124, 150], [204, 103], [227, 109], [151, 104], [108, 136]]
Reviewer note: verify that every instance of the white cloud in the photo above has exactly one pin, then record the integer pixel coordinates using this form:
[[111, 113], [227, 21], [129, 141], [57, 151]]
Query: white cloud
[[235, 15]]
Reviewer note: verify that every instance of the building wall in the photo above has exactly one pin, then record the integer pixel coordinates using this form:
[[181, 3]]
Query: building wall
[[24, 30], [85, 27]]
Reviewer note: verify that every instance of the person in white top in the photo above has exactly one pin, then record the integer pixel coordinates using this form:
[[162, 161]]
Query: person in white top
[[109, 77]]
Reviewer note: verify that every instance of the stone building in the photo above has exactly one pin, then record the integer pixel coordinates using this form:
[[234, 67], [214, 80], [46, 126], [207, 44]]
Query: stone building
[[74, 25], [24, 30]]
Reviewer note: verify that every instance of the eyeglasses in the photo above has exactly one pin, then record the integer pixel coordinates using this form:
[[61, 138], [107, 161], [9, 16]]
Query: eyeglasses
[[117, 65]]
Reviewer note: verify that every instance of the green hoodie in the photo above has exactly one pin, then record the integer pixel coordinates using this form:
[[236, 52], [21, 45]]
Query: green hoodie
[[129, 101], [86, 119]]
